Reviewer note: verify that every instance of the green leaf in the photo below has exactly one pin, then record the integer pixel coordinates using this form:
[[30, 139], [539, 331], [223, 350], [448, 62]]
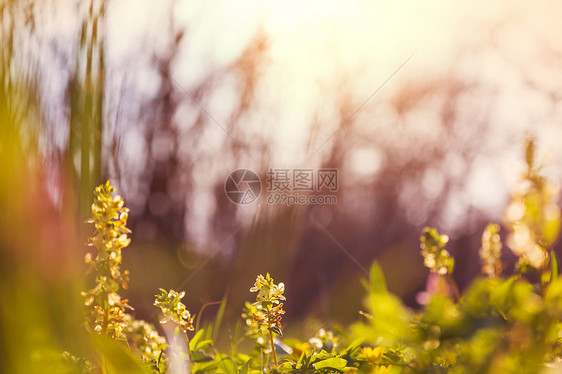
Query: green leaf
[[285, 367], [553, 298], [195, 340], [226, 364], [336, 363], [200, 356], [554, 266], [205, 367], [205, 344], [525, 304], [377, 283], [115, 357], [551, 229], [215, 328], [443, 312], [304, 358], [246, 367], [354, 345]]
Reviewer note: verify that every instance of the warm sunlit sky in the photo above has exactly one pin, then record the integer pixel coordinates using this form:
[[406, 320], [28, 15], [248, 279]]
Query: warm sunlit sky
[[321, 47], [320, 52]]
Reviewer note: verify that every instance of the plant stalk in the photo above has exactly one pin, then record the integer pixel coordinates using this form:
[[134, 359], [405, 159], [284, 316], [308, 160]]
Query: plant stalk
[[190, 363], [106, 320], [273, 348], [455, 288]]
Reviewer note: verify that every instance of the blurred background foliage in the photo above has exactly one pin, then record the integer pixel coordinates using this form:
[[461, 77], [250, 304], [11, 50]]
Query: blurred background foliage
[[166, 99]]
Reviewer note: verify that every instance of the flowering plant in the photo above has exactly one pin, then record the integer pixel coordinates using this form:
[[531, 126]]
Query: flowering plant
[[269, 307]]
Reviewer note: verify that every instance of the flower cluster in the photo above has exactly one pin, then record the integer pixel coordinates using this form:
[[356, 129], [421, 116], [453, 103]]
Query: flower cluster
[[493, 325], [490, 252], [145, 340], [269, 308], [435, 256], [173, 309], [106, 310], [324, 340], [79, 364], [248, 311], [532, 217]]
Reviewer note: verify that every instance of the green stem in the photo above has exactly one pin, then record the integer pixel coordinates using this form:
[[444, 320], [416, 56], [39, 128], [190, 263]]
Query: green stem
[[273, 348], [188, 352], [106, 320], [454, 286], [201, 312], [545, 273]]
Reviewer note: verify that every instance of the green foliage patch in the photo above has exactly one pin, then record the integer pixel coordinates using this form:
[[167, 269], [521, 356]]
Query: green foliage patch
[[497, 325]]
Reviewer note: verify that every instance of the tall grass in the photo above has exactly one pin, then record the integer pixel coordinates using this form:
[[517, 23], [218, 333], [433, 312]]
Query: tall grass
[[40, 313], [86, 107]]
